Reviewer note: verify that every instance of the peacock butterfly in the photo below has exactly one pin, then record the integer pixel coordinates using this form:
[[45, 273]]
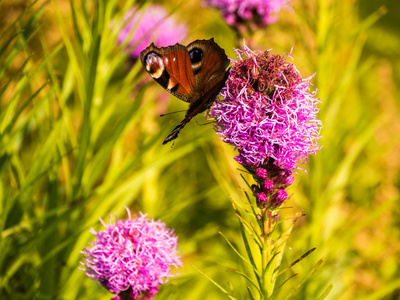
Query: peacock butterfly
[[195, 74]]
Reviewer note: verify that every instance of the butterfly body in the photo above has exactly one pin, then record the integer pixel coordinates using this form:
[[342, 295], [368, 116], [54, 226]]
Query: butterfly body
[[195, 74]]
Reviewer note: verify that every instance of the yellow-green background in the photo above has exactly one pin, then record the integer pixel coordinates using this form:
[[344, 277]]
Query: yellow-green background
[[80, 138]]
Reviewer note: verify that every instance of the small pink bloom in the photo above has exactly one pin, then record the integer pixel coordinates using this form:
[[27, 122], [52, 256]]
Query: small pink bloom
[[280, 197], [268, 186], [262, 200], [262, 173]]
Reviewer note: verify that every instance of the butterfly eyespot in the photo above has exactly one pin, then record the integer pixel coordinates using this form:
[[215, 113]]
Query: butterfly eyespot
[[154, 65], [196, 55]]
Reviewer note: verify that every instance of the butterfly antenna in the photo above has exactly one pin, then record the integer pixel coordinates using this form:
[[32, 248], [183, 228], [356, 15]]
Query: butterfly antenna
[[174, 112]]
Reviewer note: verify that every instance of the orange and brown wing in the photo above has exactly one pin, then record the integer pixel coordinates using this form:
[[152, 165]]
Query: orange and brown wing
[[171, 68], [209, 63], [210, 71]]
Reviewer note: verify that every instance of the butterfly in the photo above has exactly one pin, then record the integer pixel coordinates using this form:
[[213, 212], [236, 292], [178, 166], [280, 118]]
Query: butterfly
[[194, 73]]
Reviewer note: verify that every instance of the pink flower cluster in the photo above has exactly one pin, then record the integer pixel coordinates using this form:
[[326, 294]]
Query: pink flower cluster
[[270, 191], [132, 257]]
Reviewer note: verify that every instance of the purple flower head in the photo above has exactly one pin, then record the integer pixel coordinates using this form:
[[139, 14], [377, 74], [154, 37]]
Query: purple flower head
[[268, 112], [132, 257], [151, 24], [252, 14]]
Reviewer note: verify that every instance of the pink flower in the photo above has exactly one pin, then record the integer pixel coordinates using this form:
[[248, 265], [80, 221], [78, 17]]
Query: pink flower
[[151, 24], [251, 13], [268, 112], [132, 257]]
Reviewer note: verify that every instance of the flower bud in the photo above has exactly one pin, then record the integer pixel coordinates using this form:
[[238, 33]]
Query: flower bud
[[268, 186], [279, 198], [261, 173], [262, 200]]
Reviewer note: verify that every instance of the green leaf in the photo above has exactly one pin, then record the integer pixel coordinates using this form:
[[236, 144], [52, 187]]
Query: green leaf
[[216, 284], [248, 279], [237, 252], [249, 253], [306, 278], [326, 292], [297, 261]]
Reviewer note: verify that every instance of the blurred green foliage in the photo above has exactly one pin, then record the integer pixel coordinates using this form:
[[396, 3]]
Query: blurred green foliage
[[80, 138]]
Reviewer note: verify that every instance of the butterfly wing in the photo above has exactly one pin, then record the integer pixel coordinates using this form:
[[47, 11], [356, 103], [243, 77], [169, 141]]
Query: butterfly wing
[[171, 68], [209, 68], [209, 63]]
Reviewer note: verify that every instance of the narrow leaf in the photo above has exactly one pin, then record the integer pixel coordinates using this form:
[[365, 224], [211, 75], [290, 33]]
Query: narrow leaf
[[234, 249], [304, 280], [325, 294], [248, 279], [216, 284], [297, 260], [250, 293], [249, 253]]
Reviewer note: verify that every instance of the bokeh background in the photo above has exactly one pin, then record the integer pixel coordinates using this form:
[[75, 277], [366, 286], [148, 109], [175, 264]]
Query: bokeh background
[[80, 138]]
